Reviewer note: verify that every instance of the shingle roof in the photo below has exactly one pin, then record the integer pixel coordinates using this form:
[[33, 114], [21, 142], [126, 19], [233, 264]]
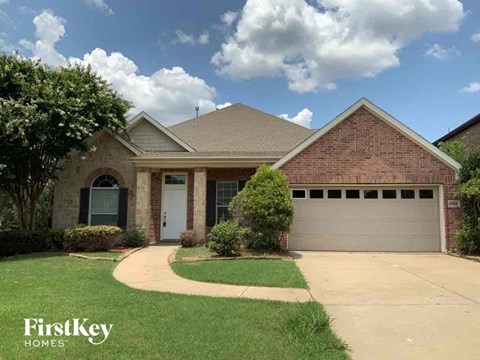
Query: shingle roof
[[212, 154], [239, 128]]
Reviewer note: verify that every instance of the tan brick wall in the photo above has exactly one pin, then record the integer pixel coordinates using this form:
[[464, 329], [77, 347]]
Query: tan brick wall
[[470, 137], [110, 157], [365, 150]]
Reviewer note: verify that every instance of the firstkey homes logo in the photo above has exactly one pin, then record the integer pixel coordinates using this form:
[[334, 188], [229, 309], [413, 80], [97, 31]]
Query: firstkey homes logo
[[49, 334]]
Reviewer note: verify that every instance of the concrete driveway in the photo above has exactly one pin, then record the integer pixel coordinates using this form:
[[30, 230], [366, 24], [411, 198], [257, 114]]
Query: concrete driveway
[[399, 306]]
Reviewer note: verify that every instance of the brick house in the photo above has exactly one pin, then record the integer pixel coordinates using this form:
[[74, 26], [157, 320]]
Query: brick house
[[363, 182], [468, 133]]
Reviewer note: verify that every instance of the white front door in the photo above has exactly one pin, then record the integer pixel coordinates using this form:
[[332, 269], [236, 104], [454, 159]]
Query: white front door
[[174, 216]]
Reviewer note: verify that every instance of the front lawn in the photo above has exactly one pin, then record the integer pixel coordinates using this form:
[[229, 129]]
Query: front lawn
[[279, 273], [148, 324]]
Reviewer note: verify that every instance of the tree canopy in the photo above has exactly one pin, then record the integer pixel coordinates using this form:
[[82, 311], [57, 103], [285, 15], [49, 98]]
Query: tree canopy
[[45, 113]]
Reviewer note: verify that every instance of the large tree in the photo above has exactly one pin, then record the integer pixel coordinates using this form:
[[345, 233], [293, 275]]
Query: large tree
[[45, 113]]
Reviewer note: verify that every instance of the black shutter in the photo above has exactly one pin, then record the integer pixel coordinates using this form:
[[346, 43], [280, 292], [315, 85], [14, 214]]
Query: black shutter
[[211, 202], [84, 206], [241, 184], [122, 208]]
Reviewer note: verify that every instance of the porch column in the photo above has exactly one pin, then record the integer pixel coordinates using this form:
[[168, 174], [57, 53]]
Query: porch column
[[200, 202], [142, 200]]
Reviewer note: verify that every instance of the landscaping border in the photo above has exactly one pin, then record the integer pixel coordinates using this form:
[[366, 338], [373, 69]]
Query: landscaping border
[[100, 258], [467, 257]]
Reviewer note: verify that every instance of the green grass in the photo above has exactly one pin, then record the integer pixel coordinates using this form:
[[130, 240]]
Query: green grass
[[198, 251], [279, 273], [106, 254], [148, 324]]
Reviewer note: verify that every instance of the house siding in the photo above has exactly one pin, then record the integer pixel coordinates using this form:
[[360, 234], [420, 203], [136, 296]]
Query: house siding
[[470, 137], [148, 137], [112, 158], [365, 150]]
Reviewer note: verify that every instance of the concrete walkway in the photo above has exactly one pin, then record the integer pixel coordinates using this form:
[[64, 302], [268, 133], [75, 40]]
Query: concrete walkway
[[399, 306], [149, 269]]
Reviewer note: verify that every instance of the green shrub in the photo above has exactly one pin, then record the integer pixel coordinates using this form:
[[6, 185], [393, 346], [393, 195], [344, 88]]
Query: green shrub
[[455, 149], [91, 238], [256, 241], [189, 238], [134, 236], [16, 242], [467, 237], [265, 205], [469, 166], [55, 239], [225, 238]]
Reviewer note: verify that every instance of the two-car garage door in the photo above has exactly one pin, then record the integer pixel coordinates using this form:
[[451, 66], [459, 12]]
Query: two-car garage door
[[365, 219]]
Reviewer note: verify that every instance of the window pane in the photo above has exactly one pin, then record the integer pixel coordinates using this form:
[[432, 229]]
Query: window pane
[[408, 194], [334, 194], [103, 220], [316, 194], [426, 194], [389, 194], [175, 179], [353, 194], [106, 181], [299, 194], [370, 194], [223, 214], [104, 201]]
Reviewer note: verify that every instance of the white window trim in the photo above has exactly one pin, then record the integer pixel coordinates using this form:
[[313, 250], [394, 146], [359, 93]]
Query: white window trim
[[90, 200], [216, 196]]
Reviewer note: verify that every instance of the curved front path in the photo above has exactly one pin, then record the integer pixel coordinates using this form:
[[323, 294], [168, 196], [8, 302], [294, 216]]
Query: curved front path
[[149, 269]]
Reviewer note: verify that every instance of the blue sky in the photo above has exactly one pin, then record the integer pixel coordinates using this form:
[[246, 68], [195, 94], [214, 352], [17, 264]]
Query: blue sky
[[279, 56]]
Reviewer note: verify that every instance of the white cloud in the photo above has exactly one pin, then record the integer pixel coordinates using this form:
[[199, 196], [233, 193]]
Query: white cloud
[[303, 118], [229, 17], [187, 39], [5, 45], [204, 38], [471, 88], [170, 95], [313, 45], [476, 37], [49, 30], [224, 105], [183, 38], [440, 53], [100, 5]]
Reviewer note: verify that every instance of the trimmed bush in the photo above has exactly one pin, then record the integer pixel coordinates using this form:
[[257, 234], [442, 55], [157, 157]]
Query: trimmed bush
[[467, 237], [91, 238], [256, 241], [134, 236], [55, 239], [16, 242], [265, 205], [225, 239], [189, 238]]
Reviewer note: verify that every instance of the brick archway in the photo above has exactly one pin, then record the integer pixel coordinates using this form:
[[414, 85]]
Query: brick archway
[[104, 171]]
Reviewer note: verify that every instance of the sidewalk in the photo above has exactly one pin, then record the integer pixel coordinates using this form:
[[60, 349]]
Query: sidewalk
[[148, 269]]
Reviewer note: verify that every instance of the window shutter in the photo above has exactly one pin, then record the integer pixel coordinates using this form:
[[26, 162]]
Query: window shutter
[[122, 208], [84, 206], [241, 184], [211, 202]]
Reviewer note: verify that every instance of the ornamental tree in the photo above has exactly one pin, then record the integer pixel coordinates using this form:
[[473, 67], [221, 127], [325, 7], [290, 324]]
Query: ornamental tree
[[265, 204], [45, 113]]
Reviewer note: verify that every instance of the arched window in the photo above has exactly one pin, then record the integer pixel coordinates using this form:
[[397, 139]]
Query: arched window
[[104, 200]]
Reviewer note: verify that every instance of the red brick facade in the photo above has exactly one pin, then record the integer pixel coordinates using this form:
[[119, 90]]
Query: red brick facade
[[365, 150], [156, 193], [470, 137]]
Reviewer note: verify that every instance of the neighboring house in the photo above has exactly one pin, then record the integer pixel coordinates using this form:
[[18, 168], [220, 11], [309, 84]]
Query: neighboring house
[[468, 133], [364, 182]]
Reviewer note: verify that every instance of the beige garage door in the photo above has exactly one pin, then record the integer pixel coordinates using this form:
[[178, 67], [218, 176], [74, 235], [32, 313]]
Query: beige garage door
[[365, 219]]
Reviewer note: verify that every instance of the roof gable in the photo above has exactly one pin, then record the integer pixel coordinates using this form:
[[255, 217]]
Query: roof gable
[[459, 129], [239, 128], [143, 116], [380, 114]]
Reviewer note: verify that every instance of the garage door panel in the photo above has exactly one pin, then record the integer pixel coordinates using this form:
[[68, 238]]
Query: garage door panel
[[366, 225]]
